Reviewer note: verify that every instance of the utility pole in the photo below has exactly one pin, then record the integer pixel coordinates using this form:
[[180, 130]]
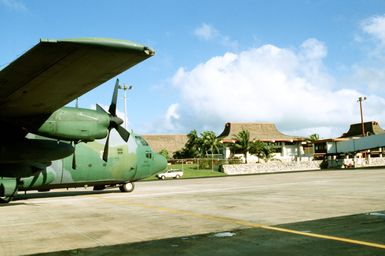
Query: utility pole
[[360, 99], [125, 88]]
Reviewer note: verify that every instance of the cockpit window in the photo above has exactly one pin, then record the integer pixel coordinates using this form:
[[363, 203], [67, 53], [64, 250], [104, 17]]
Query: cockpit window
[[141, 140]]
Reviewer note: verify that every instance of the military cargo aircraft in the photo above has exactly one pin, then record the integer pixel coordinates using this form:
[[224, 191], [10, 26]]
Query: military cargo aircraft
[[33, 90], [127, 162]]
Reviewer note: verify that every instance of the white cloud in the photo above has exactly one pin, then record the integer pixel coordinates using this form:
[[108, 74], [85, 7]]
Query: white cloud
[[172, 117], [15, 5], [368, 73], [289, 87], [210, 33], [313, 49], [169, 123], [206, 32], [375, 26], [270, 84]]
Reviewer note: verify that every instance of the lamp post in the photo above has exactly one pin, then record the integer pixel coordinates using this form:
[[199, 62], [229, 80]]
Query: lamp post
[[125, 88], [360, 99]]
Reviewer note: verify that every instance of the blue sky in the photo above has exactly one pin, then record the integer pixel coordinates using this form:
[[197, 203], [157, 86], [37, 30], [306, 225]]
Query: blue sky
[[300, 64]]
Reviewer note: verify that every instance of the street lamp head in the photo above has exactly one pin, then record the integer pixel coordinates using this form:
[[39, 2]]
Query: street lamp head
[[360, 99], [125, 87]]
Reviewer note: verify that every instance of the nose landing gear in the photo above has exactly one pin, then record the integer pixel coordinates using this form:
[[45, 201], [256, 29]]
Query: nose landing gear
[[127, 187]]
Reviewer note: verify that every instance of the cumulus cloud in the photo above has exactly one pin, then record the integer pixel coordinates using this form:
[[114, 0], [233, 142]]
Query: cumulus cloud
[[369, 72], [210, 33], [375, 27], [168, 123], [270, 84], [289, 87]]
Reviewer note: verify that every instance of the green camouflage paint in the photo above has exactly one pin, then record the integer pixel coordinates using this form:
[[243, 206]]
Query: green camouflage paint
[[127, 162]]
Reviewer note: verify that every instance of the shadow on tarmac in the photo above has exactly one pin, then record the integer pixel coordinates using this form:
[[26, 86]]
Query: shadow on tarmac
[[68, 193], [368, 227]]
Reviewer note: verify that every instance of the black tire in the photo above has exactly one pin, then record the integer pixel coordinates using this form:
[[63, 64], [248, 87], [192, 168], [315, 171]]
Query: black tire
[[99, 187], [6, 199], [127, 187], [162, 177]]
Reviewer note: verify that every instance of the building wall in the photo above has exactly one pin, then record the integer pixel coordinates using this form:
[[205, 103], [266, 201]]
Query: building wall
[[292, 152]]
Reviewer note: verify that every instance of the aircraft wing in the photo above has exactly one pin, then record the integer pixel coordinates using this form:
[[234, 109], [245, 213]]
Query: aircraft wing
[[55, 72]]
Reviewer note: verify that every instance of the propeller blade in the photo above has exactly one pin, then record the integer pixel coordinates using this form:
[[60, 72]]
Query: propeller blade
[[112, 108], [100, 109], [74, 157], [105, 152], [73, 161], [123, 133], [115, 121]]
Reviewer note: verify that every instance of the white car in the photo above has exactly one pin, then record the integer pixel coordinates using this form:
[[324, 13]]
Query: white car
[[173, 173]]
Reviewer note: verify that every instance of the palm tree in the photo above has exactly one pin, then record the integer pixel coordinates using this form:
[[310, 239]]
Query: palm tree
[[262, 150], [314, 137], [192, 147], [242, 143], [209, 143]]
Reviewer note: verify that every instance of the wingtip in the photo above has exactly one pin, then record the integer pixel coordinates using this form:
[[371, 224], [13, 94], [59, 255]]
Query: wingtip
[[149, 51]]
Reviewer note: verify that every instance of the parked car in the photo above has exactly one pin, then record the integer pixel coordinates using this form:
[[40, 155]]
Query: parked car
[[172, 173]]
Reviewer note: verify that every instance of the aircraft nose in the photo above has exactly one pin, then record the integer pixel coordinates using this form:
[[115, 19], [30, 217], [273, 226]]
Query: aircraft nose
[[160, 163]]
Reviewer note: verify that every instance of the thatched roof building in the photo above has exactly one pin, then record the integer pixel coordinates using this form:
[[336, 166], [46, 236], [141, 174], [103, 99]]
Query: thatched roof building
[[371, 128], [266, 132], [171, 143]]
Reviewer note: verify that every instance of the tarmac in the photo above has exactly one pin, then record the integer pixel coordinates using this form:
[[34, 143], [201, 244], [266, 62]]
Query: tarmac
[[340, 212]]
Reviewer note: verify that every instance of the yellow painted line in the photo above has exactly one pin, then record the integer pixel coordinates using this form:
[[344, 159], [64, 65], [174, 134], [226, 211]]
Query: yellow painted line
[[246, 223]]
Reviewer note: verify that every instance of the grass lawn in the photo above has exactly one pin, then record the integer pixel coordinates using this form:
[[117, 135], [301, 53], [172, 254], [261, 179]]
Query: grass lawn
[[192, 171]]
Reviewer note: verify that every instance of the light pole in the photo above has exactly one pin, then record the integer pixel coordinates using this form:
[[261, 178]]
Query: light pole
[[360, 99], [125, 88]]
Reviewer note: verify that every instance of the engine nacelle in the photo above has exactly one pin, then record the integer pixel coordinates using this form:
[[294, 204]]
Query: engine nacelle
[[76, 124], [27, 157], [33, 150]]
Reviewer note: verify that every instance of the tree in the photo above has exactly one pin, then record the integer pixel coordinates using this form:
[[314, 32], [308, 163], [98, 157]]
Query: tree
[[209, 143], [242, 143], [262, 150], [191, 148], [199, 146], [164, 153], [314, 137]]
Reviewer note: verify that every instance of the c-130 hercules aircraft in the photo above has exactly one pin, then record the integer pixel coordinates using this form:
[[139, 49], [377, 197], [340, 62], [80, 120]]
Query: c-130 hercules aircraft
[[33, 90]]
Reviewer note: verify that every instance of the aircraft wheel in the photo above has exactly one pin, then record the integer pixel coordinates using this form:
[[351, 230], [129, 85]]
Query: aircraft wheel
[[127, 187], [6, 199], [99, 187]]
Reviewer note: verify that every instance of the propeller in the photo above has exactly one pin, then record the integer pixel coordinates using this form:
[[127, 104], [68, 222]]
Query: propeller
[[74, 155], [115, 121]]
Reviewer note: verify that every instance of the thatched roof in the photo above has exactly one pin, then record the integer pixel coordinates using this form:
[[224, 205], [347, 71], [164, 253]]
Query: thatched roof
[[258, 131], [171, 143], [371, 128]]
